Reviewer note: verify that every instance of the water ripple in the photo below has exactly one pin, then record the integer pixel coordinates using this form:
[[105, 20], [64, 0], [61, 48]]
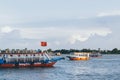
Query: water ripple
[[105, 68]]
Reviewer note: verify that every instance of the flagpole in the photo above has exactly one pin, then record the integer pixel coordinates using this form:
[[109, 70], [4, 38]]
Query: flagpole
[[44, 44]]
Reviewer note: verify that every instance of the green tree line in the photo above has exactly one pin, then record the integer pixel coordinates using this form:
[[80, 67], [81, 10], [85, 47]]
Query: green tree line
[[65, 51], [62, 51]]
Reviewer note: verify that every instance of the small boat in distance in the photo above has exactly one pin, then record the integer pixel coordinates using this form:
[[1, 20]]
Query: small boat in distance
[[95, 54], [58, 54], [79, 56]]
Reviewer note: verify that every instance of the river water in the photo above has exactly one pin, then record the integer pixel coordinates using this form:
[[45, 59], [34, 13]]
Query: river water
[[105, 68]]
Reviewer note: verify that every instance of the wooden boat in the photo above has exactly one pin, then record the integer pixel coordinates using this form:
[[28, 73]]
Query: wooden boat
[[78, 56]]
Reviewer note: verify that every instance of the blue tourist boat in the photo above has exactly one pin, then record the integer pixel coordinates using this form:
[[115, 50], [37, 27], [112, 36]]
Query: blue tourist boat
[[27, 60]]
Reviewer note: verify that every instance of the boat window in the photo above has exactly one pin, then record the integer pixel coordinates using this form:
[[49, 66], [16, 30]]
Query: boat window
[[19, 55]]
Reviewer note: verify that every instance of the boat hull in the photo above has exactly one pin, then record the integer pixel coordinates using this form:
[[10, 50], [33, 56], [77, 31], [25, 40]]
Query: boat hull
[[6, 65], [79, 58], [95, 56]]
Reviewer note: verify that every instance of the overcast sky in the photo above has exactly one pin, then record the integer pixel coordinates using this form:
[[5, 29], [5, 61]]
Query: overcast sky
[[64, 24]]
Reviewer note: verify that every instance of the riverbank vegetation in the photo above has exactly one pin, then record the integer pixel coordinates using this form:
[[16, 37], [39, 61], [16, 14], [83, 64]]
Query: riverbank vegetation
[[62, 51], [113, 51]]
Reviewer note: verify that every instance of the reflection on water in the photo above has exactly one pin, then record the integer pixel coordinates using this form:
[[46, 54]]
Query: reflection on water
[[104, 68]]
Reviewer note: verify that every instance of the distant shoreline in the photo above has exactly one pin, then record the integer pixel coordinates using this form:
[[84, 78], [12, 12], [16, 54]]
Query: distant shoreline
[[62, 51]]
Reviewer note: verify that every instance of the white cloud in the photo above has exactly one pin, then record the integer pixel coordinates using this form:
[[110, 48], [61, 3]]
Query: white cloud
[[85, 34], [69, 34], [112, 13], [5, 29], [35, 33], [78, 37], [30, 37]]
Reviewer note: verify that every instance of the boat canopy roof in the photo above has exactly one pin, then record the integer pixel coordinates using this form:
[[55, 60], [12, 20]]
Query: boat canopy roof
[[76, 53]]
